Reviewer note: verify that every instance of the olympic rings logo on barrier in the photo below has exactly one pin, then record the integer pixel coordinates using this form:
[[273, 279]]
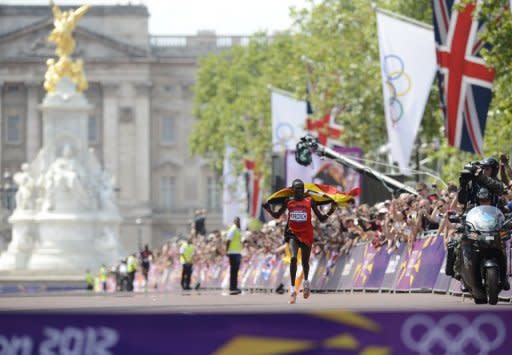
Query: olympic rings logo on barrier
[[399, 84], [453, 333]]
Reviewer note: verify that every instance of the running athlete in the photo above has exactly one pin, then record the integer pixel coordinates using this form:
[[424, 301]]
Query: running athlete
[[299, 231]]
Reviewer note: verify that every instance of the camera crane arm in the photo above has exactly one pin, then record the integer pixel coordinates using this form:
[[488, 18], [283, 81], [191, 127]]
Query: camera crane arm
[[311, 144]]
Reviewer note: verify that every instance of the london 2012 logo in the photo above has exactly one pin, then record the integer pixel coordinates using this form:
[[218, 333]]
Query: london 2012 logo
[[453, 334], [398, 83]]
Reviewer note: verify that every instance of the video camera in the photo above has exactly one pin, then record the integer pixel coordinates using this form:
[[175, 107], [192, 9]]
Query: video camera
[[470, 170], [304, 149]]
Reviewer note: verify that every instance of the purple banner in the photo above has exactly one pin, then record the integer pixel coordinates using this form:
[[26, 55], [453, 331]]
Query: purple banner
[[364, 268], [249, 276], [443, 281], [326, 332], [508, 294], [421, 268], [432, 257], [318, 280], [333, 271], [349, 269], [380, 263], [393, 267], [454, 288]]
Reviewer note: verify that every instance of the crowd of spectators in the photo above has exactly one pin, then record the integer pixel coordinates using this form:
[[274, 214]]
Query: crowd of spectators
[[390, 223], [393, 222]]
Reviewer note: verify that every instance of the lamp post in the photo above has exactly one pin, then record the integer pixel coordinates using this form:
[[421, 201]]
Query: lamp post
[[138, 222]]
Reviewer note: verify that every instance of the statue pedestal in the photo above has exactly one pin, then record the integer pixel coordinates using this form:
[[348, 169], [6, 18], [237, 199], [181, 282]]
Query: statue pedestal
[[72, 242], [67, 218], [18, 253]]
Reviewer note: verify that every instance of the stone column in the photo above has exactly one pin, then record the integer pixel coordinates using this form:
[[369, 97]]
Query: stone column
[[142, 143], [110, 128], [33, 142], [2, 125]]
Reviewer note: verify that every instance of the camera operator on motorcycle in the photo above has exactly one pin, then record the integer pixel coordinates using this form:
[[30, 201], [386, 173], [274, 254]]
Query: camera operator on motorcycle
[[476, 175], [479, 186]]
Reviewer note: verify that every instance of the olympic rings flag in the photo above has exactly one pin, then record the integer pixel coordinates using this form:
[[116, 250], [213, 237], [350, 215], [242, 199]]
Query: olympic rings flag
[[408, 66], [288, 121]]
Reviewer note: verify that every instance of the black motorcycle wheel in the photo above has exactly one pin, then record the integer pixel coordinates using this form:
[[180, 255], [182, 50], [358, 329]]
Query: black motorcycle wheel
[[491, 284]]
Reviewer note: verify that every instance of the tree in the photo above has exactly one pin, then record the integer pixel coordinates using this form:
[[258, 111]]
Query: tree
[[232, 99], [339, 39]]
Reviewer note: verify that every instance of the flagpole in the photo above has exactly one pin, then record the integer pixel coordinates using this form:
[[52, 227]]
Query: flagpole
[[402, 17]]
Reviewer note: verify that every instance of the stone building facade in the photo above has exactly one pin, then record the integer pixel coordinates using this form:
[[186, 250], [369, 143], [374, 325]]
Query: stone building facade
[[140, 86]]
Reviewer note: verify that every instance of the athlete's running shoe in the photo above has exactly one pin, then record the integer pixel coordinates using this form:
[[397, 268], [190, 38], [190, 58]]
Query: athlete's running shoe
[[306, 291], [293, 297]]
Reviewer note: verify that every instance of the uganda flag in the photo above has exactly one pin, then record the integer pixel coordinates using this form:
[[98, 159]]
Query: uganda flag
[[320, 193]]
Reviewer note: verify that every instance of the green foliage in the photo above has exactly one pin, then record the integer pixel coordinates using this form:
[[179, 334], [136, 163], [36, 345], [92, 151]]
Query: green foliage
[[232, 96], [254, 225], [497, 14]]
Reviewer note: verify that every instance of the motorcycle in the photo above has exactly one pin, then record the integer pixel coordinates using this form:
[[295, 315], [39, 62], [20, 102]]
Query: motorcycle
[[484, 231]]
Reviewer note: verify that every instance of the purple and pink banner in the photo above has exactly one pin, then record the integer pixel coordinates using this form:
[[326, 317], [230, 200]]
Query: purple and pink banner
[[277, 333], [419, 267]]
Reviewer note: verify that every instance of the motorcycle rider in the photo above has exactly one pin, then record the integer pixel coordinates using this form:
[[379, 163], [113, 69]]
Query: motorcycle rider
[[479, 185], [477, 175]]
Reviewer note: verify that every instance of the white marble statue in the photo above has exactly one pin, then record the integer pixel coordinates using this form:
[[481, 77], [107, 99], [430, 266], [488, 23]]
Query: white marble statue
[[25, 197], [62, 183]]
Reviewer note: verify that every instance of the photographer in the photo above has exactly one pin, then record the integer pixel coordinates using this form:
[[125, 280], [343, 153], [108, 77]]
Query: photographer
[[476, 175]]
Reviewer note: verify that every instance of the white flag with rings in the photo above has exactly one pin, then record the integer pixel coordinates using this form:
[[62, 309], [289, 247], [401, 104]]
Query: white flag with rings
[[288, 121], [408, 65]]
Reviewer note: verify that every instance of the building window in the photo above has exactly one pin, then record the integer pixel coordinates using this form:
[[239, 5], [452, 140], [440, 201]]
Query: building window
[[12, 88], [213, 194], [167, 192], [93, 130], [224, 42], [168, 89], [167, 130], [13, 129]]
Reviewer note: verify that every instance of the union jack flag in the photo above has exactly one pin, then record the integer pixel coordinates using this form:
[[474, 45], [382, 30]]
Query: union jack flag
[[465, 82]]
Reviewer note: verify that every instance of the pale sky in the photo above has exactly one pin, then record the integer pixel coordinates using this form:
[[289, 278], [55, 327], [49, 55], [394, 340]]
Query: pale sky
[[226, 17]]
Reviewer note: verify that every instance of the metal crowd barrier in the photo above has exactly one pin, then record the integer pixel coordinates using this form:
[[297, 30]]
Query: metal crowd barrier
[[416, 268]]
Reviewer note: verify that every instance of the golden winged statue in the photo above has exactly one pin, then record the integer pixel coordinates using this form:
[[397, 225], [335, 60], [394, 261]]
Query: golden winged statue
[[62, 35]]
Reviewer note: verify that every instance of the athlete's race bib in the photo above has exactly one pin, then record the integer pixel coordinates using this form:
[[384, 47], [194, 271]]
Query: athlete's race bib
[[298, 216]]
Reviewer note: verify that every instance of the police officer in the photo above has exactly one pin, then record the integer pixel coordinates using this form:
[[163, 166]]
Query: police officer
[[103, 277], [132, 265], [89, 280], [186, 259]]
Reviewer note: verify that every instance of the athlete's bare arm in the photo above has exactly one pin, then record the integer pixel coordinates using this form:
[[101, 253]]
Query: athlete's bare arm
[[276, 214], [323, 217]]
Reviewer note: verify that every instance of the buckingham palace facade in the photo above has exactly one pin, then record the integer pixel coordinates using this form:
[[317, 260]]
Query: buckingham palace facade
[[140, 87]]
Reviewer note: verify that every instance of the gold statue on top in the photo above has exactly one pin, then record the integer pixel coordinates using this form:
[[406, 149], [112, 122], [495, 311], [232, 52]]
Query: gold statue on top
[[65, 22]]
